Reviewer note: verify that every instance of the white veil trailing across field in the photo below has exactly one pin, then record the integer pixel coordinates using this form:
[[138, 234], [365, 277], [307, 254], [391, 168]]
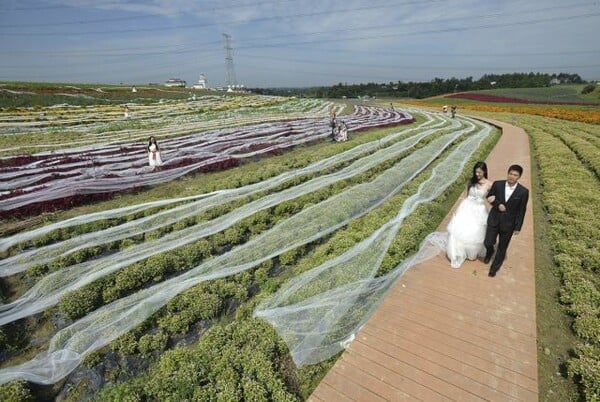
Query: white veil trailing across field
[[317, 312], [70, 345], [50, 288], [202, 202]]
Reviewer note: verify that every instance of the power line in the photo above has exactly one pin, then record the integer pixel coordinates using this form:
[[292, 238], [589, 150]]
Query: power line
[[294, 16], [413, 67], [412, 33], [437, 21], [196, 25], [215, 43], [135, 17]]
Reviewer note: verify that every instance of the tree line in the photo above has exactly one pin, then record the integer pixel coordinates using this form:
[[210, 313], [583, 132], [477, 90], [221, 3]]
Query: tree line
[[418, 90]]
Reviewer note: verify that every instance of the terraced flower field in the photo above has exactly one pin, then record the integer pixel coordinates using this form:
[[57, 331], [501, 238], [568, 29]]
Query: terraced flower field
[[49, 180], [222, 294]]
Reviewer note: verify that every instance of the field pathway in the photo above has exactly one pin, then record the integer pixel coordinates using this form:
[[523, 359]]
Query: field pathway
[[451, 334]]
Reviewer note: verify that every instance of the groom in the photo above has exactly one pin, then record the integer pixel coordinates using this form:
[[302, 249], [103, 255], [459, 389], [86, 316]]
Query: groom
[[509, 202]]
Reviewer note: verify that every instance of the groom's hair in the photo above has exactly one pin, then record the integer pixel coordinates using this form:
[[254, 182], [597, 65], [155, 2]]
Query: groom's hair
[[516, 168]]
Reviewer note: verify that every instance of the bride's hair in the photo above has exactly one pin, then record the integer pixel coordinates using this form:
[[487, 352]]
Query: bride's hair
[[473, 180], [151, 141]]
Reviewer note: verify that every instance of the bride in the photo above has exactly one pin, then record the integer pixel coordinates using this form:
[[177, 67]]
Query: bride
[[154, 158], [466, 229]]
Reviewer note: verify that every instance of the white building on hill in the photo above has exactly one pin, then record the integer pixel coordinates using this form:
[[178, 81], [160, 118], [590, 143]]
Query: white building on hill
[[201, 82], [175, 82]]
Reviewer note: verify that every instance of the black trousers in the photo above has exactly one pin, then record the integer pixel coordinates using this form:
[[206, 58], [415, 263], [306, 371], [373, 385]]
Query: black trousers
[[491, 234]]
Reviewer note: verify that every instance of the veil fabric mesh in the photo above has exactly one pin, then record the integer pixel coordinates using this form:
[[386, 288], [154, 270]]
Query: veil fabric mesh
[[313, 313]]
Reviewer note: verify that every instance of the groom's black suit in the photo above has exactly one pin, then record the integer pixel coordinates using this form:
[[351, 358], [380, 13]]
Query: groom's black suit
[[503, 224]]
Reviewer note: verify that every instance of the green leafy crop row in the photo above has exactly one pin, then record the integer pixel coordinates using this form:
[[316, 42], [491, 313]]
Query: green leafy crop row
[[277, 368], [156, 268], [570, 194]]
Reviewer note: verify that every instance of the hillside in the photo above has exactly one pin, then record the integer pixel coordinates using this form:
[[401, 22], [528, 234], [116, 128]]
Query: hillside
[[559, 94]]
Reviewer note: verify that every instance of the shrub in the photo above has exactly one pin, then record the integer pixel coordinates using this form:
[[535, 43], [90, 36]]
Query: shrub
[[15, 391], [126, 243], [131, 391], [152, 342], [37, 271], [3, 341], [291, 256], [188, 308], [237, 362], [587, 369], [588, 89], [126, 344], [77, 303]]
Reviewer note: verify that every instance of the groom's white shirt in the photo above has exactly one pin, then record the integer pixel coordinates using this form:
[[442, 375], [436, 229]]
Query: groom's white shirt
[[508, 190]]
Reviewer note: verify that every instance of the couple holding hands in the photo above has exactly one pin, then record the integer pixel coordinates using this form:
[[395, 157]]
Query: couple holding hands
[[473, 230]]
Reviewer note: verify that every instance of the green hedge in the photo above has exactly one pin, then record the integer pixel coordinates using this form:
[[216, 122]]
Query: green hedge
[[571, 190]]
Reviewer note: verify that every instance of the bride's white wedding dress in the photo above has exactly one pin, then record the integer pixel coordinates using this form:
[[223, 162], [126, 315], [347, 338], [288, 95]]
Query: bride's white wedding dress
[[466, 229]]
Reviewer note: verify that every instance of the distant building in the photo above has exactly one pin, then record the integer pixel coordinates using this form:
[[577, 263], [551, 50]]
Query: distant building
[[201, 82], [175, 82], [554, 81], [236, 88]]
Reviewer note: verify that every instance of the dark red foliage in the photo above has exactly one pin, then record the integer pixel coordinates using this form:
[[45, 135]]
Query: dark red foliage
[[19, 160], [505, 99], [59, 204], [220, 165]]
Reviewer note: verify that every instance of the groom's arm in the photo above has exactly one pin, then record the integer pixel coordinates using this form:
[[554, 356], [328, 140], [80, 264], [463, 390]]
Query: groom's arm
[[522, 210]]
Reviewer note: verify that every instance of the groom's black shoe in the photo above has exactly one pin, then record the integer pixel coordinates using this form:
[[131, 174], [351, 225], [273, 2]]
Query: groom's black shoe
[[487, 259], [493, 272]]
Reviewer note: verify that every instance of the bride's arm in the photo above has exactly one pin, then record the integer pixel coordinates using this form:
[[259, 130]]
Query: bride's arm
[[491, 196]]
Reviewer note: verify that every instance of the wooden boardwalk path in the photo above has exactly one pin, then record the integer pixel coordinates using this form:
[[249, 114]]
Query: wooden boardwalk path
[[451, 334]]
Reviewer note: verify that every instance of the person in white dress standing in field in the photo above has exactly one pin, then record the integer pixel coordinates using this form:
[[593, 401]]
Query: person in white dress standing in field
[[154, 158], [466, 230]]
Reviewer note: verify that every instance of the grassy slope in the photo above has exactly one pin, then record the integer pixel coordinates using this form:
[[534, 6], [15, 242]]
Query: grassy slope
[[558, 93]]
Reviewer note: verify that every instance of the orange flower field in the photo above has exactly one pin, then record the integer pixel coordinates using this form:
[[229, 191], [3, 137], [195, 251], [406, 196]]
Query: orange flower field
[[582, 115]]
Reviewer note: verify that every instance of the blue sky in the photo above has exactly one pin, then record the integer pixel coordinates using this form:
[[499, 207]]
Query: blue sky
[[278, 43]]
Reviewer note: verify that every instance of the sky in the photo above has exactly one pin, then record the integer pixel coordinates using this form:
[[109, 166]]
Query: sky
[[294, 43]]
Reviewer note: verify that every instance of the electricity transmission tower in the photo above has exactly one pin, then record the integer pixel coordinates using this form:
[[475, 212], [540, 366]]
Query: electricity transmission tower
[[231, 80]]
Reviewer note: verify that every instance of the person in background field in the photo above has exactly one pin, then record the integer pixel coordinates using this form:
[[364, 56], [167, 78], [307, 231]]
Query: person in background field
[[453, 110], [127, 114], [466, 230], [509, 204], [445, 108], [333, 123], [341, 132], [154, 158]]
